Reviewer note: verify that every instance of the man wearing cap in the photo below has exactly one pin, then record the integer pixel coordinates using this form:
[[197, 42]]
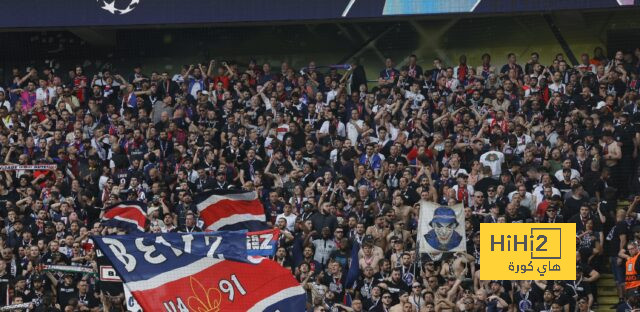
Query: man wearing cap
[[15, 237], [551, 214], [21, 290], [221, 181], [443, 235], [37, 284], [65, 290]]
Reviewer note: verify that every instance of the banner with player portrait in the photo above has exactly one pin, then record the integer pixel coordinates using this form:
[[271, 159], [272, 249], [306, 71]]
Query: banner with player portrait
[[441, 228]]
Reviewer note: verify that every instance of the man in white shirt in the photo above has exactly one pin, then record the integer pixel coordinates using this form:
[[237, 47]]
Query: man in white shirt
[[557, 85], [566, 164], [283, 127], [4, 102], [463, 191], [324, 129], [494, 160], [522, 139], [413, 95], [354, 126], [289, 216], [545, 181], [333, 93], [454, 163], [45, 93], [585, 65], [526, 199]]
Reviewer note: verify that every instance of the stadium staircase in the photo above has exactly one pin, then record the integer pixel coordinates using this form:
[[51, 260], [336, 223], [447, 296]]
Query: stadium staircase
[[607, 295]]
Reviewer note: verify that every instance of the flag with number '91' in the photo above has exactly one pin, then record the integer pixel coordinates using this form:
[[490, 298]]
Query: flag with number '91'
[[199, 272]]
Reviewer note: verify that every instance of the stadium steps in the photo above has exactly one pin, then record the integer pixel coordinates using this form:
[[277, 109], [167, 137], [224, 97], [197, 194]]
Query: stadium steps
[[607, 294]]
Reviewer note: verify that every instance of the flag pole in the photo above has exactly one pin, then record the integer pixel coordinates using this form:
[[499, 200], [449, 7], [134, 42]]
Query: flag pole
[[418, 255]]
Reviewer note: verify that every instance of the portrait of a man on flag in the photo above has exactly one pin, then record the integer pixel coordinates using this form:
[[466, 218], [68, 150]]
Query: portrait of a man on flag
[[441, 228]]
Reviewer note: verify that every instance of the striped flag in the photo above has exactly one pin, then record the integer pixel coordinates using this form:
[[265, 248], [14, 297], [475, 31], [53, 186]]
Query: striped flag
[[200, 272], [129, 215], [231, 210]]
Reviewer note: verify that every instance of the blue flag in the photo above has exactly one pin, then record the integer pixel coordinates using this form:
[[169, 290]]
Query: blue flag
[[354, 266], [200, 272]]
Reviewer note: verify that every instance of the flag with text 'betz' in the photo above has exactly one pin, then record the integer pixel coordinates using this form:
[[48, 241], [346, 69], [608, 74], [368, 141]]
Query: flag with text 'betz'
[[128, 215], [231, 210], [200, 272]]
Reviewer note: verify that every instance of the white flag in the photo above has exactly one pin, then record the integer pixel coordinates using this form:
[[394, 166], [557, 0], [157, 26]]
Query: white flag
[[441, 228]]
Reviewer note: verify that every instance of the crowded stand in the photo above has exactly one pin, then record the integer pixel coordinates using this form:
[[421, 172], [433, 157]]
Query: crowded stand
[[341, 161]]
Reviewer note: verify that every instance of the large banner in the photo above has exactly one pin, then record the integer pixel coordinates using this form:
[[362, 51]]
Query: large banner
[[441, 228], [259, 245], [145, 12], [199, 272]]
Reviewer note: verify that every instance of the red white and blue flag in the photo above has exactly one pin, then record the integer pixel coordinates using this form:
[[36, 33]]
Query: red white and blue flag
[[200, 272], [262, 243], [128, 215], [231, 210]]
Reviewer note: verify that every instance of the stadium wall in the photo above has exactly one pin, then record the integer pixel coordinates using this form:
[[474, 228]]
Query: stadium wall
[[162, 48]]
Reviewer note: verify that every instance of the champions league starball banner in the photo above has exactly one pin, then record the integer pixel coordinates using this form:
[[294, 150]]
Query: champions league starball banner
[[199, 272], [69, 13], [441, 228]]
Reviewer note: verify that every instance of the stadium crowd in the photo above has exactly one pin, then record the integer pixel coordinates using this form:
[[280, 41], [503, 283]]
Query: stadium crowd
[[336, 159]]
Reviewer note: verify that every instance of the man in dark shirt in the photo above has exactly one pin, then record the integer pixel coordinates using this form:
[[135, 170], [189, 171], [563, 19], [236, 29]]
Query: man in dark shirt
[[614, 241], [527, 296], [86, 296], [54, 256], [323, 218], [580, 288], [560, 295], [389, 75], [66, 290], [396, 284], [582, 218], [572, 204], [5, 281]]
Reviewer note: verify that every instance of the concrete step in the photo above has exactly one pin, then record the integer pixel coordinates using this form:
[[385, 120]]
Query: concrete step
[[606, 283], [606, 291], [604, 309], [607, 302]]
